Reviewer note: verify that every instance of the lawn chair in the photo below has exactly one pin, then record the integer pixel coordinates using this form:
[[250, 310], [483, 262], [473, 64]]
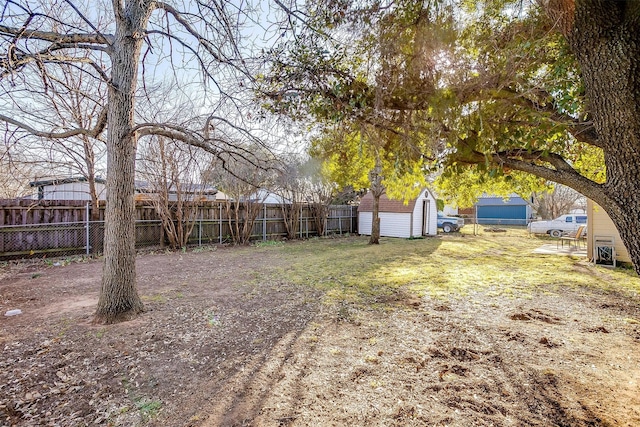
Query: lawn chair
[[573, 237]]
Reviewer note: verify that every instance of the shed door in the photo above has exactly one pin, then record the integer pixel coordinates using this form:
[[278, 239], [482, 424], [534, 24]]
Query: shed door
[[425, 217]]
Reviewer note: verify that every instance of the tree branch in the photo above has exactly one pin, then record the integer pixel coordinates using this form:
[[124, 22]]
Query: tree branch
[[41, 58], [530, 162], [180, 19], [88, 22], [213, 146], [55, 37], [94, 133], [580, 130], [186, 46], [202, 41]]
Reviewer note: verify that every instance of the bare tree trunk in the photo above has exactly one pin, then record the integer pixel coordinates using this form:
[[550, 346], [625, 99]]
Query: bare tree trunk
[[242, 216], [103, 43], [375, 221], [320, 211], [291, 217], [231, 209], [119, 299], [252, 210], [164, 173], [377, 189]]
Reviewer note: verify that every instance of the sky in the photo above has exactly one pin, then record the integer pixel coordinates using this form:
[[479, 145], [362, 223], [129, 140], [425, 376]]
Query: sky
[[173, 88]]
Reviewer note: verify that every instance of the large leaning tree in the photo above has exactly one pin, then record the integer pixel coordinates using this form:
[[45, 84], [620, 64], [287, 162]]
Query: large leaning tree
[[549, 87], [552, 88], [123, 47]]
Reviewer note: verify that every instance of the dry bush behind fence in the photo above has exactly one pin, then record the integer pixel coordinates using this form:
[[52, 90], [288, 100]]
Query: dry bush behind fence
[[31, 228]]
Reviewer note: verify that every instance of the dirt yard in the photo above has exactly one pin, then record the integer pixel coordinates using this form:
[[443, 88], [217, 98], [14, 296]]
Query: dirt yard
[[223, 343]]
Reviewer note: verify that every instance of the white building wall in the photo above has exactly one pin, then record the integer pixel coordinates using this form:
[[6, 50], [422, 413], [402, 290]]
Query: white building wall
[[391, 224], [72, 191], [599, 224], [364, 223], [416, 220], [394, 224], [432, 220]]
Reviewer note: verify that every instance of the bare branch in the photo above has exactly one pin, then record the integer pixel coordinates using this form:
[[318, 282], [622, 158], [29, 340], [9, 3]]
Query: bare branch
[[94, 133], [40, 58], [206, 44], [186, 46], [180, 19], [215, 146], [54, 37], [88, 22]]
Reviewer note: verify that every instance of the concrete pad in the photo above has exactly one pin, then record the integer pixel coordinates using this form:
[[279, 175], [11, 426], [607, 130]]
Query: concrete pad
[[555, 249]]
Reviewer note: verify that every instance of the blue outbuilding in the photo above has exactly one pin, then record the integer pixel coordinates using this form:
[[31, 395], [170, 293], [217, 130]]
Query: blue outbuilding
[[513, 210]]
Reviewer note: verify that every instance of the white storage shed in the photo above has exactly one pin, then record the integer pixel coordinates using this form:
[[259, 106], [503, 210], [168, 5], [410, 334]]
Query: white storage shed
[[419, 217]]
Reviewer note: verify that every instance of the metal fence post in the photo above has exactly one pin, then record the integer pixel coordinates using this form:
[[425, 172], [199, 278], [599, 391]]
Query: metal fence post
[[351, 219], [88, 234], [220, 223], [475, 221]]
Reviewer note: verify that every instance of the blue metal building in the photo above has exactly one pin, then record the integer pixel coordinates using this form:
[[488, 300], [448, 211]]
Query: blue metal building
[[513, 210]]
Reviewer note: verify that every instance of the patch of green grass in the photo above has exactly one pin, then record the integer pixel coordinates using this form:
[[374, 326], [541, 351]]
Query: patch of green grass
[[204, 248], [159, 298], [148, 408], [268, 243], [501, 264]]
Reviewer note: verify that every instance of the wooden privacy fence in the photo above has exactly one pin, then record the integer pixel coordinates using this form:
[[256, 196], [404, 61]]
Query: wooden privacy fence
[[31, 228]]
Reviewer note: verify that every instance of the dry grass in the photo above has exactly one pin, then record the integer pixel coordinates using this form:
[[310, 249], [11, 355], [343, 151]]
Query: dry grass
[[447, 267], [458, 330]]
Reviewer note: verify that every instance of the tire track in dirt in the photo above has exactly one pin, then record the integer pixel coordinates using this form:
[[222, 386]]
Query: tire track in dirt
[[246, 392], [513, 366]]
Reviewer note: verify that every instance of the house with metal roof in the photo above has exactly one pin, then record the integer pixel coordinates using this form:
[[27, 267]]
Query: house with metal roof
[[67, 188], [77, 188]]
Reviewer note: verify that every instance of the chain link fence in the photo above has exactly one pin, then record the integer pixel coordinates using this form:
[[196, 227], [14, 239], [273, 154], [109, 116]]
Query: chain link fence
[[87, 237]]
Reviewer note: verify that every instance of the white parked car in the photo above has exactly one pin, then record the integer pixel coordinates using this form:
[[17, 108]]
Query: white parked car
[[556, 227]]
